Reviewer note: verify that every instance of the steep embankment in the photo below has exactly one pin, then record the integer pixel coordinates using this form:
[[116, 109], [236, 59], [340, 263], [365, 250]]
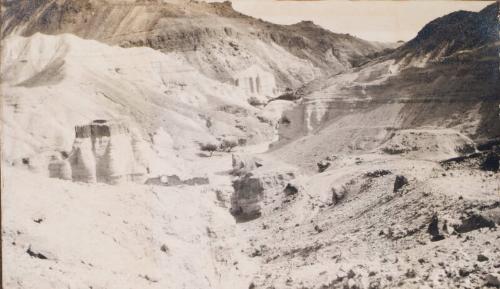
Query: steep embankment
[[213, 37], [447, 77], [374, 221]]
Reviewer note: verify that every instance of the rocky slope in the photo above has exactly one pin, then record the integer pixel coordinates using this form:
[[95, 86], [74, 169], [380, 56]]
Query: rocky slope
[[356, 226], [457, 32], [449, 81], [212, 37]]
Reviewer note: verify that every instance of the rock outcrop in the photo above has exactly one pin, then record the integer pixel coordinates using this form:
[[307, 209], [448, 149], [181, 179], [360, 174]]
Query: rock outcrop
[[255, 80], [259, 192], [106, 152]]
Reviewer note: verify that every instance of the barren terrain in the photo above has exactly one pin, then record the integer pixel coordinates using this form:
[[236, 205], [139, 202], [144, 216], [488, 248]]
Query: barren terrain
[[181, 144]]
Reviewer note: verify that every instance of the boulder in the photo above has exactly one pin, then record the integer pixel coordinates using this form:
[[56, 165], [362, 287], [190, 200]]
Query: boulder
[[245, 201], [338, 193], [259, 191], [400, 182]]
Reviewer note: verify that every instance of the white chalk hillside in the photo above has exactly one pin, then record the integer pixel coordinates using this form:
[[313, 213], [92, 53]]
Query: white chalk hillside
[[52, 83], [100, 236]]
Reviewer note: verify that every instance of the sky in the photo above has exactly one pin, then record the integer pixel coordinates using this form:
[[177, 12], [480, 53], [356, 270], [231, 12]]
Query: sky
[[385, 21]]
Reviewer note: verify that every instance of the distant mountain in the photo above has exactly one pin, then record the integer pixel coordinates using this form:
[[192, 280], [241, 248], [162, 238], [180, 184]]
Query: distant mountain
[[213, 37]]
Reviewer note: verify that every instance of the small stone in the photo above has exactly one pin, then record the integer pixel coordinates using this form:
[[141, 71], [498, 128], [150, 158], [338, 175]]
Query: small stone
[[410, 273], [482, 258]]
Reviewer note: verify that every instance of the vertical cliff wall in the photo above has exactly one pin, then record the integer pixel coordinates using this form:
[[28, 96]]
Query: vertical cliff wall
[[255, 80], [106, 152]]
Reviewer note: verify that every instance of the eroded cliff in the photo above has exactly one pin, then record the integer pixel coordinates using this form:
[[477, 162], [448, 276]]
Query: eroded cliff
[[105, 151]]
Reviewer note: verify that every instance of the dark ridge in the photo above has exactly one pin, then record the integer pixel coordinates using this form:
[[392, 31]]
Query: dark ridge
[[461, 30]]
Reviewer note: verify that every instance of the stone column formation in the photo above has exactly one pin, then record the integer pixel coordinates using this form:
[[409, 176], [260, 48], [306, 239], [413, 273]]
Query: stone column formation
[[104, 152], [255, 80]]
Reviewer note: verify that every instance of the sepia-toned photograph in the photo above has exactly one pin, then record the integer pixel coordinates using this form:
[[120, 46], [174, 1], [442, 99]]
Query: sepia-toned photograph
[[250, 144]]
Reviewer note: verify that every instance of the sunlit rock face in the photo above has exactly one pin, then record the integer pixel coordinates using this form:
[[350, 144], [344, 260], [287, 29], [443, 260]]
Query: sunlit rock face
[[106, 152]]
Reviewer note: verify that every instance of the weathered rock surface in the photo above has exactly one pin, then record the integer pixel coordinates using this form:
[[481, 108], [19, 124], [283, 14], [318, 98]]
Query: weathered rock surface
[[259, 192], [106, 152]]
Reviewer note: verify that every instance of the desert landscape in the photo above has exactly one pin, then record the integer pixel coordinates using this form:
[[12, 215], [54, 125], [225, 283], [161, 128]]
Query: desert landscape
[[184, 144]]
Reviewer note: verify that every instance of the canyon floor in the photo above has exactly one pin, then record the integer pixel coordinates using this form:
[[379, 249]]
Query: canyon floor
[[437, 231]]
